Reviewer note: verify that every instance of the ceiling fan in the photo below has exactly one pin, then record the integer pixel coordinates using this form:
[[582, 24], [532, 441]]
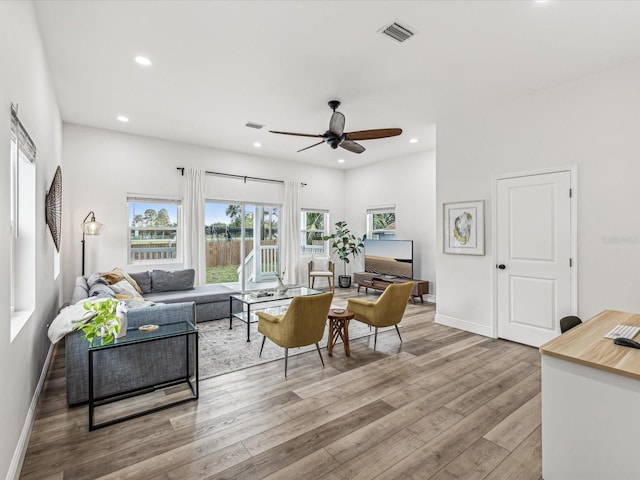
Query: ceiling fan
[[337, 137]]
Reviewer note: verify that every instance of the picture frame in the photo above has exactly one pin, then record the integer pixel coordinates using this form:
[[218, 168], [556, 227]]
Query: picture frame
[[463, 227]]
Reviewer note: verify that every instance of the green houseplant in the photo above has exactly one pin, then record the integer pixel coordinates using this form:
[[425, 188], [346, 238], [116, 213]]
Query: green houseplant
[[346, 245], [104, 323]]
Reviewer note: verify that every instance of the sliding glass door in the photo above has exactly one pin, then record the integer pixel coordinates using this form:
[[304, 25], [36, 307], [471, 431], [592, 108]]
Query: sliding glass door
[[242, 247]]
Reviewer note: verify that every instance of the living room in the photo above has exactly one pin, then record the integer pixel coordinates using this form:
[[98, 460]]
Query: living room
[[582, 112]]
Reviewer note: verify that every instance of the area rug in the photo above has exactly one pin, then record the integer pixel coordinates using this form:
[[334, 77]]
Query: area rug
[[222, 350]]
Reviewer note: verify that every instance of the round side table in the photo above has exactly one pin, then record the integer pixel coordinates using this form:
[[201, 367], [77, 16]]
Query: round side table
[[339, 327]]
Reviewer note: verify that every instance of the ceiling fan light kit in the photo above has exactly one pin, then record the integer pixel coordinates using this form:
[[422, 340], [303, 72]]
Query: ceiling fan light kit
[[336, 136]]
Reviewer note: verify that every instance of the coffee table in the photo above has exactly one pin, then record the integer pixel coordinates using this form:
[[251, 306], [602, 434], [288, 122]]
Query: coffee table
[[262, 297], [339, 328]]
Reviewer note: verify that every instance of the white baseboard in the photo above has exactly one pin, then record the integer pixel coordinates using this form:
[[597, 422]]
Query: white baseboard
[[21, 448], [464, 325], [430, 298]]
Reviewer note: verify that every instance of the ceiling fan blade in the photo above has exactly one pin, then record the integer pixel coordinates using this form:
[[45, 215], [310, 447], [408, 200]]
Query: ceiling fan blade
[[310, 146], [352, 146], [373, 134], [297, 134], [336, 124]]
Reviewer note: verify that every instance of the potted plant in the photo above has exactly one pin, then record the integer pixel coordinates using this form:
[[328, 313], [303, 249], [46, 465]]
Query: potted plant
[[104, 322], [346, 245]]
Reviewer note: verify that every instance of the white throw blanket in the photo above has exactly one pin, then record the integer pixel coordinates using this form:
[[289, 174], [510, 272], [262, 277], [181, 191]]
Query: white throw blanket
[[68, 318]]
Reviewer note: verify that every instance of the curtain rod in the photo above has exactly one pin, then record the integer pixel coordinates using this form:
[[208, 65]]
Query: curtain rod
[[240, 177]]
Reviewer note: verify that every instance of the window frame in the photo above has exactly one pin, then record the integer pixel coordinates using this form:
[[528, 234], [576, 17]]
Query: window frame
[[387, 233], [304, 246], [23, 234], [159, 200]]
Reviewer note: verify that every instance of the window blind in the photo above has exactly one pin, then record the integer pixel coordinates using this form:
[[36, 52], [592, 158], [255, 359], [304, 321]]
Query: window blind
[[22, 138], [381, 209]]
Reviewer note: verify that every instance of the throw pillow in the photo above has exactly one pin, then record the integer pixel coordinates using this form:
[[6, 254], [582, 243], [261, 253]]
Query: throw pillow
[[143, 279], [101, 290], [96, 278], [123, 287], [117, 274], [320, 264], [164, 281]]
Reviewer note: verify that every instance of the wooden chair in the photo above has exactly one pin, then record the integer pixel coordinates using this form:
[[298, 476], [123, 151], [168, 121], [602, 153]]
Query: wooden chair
[[387, 311], [302, 324], [321, 267]]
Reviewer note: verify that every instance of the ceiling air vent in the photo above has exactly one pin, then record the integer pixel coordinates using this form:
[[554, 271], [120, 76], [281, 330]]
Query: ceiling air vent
[[257, 126], [398, 32]]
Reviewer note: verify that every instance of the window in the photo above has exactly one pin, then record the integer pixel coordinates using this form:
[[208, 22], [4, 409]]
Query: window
[[314, 226], [22, 227], [381, 223], [154, 230]]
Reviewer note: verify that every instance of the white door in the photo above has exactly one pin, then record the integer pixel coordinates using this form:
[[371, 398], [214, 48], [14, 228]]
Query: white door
[[533, 256]]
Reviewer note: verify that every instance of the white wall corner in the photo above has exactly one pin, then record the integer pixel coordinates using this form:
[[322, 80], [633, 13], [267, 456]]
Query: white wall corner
[[485, 330], [23, 442]]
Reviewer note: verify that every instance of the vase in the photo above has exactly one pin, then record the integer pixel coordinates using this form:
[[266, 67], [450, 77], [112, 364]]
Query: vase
[[121, 313], [280, 288]]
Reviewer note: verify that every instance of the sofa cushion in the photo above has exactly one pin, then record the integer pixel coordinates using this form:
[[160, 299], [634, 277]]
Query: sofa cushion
[[165, 281], [201, 294], [143, 279]]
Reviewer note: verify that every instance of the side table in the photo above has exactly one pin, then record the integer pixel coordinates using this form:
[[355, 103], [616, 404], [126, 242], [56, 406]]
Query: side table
[[133, 338], [339, 327]]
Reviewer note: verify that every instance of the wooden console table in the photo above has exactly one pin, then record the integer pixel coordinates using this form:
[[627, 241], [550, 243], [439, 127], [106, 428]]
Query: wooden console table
[[376, 281]]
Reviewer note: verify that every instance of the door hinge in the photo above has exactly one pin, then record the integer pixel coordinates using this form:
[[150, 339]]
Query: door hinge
[[570, 192], [571, 262]]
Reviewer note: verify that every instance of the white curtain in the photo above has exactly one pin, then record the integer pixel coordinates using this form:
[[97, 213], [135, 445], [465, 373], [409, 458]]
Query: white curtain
[[194, 253], [290, 236]]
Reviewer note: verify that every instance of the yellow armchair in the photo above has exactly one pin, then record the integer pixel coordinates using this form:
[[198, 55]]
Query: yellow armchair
[[302, 324], [387, 311]]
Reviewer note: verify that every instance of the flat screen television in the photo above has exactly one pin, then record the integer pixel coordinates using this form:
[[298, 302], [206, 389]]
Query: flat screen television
[[393, 258]]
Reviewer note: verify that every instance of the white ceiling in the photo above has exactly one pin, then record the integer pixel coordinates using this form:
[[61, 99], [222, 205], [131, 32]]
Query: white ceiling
[[218, 64]]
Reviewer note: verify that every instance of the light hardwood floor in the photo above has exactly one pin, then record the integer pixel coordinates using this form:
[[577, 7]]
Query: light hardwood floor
[[444, 404]]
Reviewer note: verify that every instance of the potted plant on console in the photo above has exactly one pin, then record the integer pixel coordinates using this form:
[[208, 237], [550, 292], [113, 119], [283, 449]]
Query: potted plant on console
[[346, 245], [104, 321]]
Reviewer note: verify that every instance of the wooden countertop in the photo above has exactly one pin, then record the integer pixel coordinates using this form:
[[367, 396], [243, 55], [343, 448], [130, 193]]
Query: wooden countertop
[[586, 345]]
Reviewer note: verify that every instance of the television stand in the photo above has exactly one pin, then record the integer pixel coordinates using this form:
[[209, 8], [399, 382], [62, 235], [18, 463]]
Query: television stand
[[380, 282]]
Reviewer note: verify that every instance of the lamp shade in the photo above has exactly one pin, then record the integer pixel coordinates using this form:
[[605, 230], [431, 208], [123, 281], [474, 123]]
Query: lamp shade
[[91, 227]]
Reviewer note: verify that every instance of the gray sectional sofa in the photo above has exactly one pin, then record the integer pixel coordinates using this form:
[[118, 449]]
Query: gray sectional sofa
[[148, 364], [161, 286]]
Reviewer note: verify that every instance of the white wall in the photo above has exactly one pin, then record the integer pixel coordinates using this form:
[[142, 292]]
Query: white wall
[[102, 167], [409, 183], [591, 123], [25, 80]]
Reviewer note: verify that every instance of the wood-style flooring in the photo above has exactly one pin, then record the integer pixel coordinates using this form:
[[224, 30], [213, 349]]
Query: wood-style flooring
[[444, 404]]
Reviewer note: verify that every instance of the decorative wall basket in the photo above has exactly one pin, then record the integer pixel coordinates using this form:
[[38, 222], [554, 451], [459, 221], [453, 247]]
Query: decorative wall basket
[[53, 207]]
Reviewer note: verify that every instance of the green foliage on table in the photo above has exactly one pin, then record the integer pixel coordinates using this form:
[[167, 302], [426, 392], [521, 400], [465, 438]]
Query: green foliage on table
[[344, 243], [104, 324]]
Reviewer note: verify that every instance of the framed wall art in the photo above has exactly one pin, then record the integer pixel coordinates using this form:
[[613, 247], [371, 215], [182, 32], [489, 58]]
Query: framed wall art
[[463, 228], [53, 208]]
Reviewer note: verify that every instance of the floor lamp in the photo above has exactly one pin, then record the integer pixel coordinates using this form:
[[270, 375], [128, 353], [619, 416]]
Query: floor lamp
[[89, 228]]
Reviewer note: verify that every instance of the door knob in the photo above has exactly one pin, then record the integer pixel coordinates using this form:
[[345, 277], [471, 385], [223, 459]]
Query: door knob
[[501, 266]]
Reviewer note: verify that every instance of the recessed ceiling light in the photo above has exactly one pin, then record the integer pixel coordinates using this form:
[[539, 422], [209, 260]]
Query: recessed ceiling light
[[413, 140], [123, 119], [143, 60], [257, 144], [341, 160]]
